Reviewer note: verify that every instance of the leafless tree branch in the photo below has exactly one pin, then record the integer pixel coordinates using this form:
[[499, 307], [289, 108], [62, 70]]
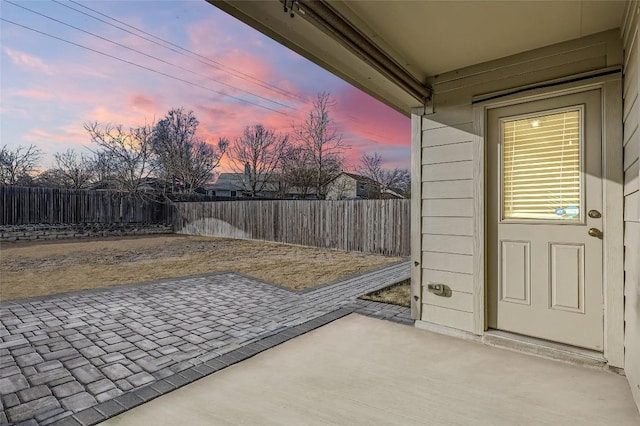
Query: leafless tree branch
[[322, 142], [17, 166], [258, 153]]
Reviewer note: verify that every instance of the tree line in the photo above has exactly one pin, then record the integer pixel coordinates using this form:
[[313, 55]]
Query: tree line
[[172, 154]]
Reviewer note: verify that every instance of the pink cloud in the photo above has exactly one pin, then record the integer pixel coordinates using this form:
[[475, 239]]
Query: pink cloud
[[56, 140], [27, 61], [37, 134], [245, 67], [86, 71], [33, 94], [212, 113], [17, 112], [369, 119], [237, 67], [143, 103], [91, 88]]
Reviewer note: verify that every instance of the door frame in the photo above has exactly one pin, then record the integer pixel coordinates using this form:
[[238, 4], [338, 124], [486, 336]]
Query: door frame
[[610, 86]]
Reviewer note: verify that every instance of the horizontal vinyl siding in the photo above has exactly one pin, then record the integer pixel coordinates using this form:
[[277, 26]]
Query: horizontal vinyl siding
[[447, 208], [447, 245], [631, 176], [632, 146], [447, 225], [461, 302], [447, 262], [448, 317], [631, 206], [447, 153], [457, 189], [446, 135], [631, 110], [447, 171]]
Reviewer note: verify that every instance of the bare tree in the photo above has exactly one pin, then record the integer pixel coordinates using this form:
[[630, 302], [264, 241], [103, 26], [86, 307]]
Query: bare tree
[[295, 171], [73, 170], [104, 166], [322, 142], [257, 155], [181, 156], [17, 166], [127, 153], [203, 159], [50, 178], [389, 179]]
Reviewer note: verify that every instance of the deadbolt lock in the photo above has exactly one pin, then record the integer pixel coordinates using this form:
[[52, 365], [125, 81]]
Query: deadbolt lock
[[595, 232], [594, 214]]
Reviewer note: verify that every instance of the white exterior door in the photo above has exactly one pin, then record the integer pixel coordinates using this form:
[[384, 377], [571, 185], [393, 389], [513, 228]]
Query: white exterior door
[[544, 245]]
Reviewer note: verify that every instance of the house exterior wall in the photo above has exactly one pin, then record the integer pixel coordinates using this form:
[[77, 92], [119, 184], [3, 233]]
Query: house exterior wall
[[448, 155], [631, 116], [367, 190], [341, 188]]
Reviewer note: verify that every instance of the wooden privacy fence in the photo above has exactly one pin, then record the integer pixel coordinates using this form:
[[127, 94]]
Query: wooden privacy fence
[[370, 226], [21, 206]]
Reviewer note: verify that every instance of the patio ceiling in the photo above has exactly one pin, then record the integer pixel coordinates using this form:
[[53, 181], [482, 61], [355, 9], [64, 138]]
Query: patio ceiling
[[414, 40]]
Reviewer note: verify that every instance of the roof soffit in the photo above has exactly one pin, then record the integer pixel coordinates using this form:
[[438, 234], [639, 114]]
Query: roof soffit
[[432, 37], [428, 37]]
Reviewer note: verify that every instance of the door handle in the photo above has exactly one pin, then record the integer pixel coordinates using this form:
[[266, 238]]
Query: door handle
[[595, 232]]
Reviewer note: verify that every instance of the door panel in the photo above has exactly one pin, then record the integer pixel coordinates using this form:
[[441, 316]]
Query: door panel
[[567, 277], [544, 173], [515, 278]]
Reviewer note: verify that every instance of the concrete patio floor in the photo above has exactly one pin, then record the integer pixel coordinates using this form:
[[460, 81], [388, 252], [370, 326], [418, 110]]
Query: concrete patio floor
[[362, 371]]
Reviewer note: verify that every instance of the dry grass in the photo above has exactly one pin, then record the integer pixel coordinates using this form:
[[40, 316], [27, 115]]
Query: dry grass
[[35, 269], [397, 294]]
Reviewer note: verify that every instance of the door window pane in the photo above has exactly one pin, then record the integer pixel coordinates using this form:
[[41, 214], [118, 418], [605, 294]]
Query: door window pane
[[541, 166]]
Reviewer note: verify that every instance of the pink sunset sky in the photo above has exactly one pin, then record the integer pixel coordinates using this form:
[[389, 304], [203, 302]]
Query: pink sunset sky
[[237, 77]]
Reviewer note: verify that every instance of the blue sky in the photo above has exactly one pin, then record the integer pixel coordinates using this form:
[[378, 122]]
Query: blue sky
[[237, 77]]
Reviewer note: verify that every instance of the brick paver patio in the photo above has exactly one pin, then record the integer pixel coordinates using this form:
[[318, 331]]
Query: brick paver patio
[[79, 358]]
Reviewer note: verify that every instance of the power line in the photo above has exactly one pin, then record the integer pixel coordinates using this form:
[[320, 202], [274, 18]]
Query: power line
[[160, 72], [210, 62], [371, 134], [215, 64], [147, 55], [143, 67]]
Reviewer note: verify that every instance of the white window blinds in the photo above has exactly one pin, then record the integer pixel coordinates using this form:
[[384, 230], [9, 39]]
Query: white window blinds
[[541, 167]]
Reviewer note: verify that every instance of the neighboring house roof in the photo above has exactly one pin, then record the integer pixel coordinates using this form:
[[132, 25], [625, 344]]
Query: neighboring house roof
[[233, 182], [389, 194], [227, 182], [357, 178]]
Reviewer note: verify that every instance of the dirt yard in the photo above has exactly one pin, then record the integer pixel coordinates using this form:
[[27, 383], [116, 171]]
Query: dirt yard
[[39, 268], [397, 294]]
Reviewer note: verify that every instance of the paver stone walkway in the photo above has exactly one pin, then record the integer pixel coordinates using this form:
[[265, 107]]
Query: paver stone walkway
[[78, 358]]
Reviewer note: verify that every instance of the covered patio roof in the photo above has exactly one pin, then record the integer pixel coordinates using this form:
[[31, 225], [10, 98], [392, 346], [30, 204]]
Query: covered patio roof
[[391, 49]]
